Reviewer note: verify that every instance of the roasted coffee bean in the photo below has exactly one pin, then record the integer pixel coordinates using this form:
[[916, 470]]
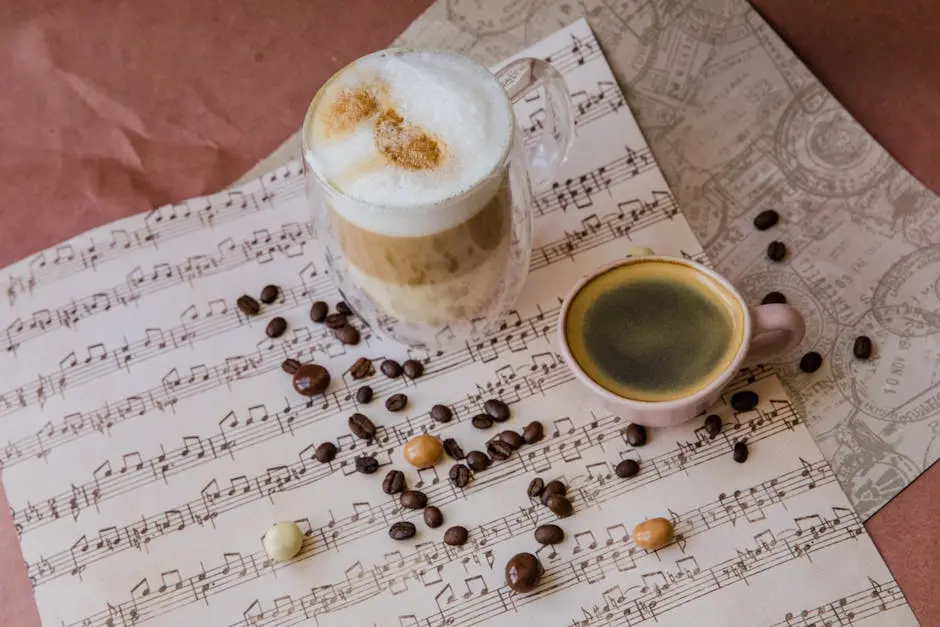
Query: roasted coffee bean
[[318, 311], [391, 368], [364, 395], [745, 400], [311, 379], [482, 421], [343, 308], [335, 321], [535, 488], [413, 499], [459, 475], [513, 439], [248, 305], [402, 530], [361, 426], [441, 413], [367, 464], [627, 468], [810, 362], [740, 452], [325, 453], [276, 327], [453, 449], [413, 368], [348, 335], [862, 347], [636, 434], [394, 482], [361, 368], [290, 366], [497, 409], [553, 487], [422, 450], [560, 505], [433, 517], [523, 572], [713, 425], [498, 450], [478, 461], [455, 536], [533, 432], [776, 251], [396, 402], [774, 298], [549, 534], [269, 294], [766, 219], [653, 533]]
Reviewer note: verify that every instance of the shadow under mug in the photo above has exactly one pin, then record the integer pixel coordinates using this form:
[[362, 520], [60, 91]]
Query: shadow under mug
[[768, 331]]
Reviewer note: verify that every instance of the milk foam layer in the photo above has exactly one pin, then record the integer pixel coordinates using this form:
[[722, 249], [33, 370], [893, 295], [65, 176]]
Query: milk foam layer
[[463, 114]]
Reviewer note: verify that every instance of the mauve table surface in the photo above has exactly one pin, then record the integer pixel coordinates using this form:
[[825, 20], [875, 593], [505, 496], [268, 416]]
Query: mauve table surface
[[111, 108]]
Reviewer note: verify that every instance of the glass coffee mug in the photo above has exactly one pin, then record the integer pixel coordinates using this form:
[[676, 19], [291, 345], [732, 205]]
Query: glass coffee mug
[[418, 178]]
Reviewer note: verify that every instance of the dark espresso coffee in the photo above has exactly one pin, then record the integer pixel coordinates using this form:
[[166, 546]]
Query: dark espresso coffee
[[654, 330]]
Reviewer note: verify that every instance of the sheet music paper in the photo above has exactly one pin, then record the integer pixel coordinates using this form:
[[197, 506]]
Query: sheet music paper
[[150, 437]]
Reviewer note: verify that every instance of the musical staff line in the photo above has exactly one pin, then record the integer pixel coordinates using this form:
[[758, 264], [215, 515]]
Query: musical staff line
[[878, 598], [588, 107]]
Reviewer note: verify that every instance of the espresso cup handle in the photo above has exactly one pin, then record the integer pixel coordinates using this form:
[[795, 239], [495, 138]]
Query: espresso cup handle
[[546, 155], [775, 329]]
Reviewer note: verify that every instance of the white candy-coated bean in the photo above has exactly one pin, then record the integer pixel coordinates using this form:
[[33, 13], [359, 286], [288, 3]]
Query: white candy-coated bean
[[283, 541]]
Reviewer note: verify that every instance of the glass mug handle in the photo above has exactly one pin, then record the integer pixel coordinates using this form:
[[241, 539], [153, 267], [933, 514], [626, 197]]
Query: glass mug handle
[[546, 155], [775, 329]]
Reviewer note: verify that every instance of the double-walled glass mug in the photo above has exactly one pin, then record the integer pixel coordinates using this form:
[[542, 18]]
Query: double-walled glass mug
[[418, 177]]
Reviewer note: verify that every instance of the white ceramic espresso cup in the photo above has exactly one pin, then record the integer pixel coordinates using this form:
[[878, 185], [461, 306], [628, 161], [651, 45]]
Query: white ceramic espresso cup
[[768, 330]]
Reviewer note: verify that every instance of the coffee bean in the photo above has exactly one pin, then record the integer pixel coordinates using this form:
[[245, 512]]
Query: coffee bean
[[553, 487], [456, 536], [535, 487], [766, 219], [478, 461], [396, 402], [523, 572], [335, 321], [533, 432], [776, 251], [636, 434], [269, 294], [318, 311], [413, 499], [311, 379], [740, 452], [348, 335], [361, 426], [441, 413], [433, 517], [810, 362], [343, 308], [513, 439], [627, 468], [367, 464], [391, 368], [413, 368], [402, 530], [453, 449], [325, 453], [481, 421], [549, 534], [394, 482], [248, 305], [862, 347], [774, 298], [361, 368], [560, 505], [497, 409], [290, 366], [459, 475], [745, 400], [713, 425], [498, 450], [276, 327], [364, 395]]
